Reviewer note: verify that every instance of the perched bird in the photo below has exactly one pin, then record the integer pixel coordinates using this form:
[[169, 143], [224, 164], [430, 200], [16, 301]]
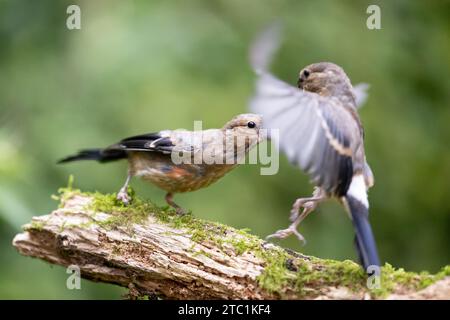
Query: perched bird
[[181, 160], [321, 132]]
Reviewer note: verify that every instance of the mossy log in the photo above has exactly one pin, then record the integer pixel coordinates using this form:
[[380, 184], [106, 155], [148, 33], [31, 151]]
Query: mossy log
[[157, 253]]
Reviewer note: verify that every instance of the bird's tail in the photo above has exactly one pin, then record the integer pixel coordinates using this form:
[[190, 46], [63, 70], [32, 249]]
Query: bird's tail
[[364, 239], [101, 155]]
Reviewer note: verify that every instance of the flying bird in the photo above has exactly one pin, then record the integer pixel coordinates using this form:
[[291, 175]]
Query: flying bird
[[319, 131], [181, 160]]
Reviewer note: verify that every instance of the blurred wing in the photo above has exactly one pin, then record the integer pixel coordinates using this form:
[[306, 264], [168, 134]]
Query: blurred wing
[[264, 47], [360, 92], [151, 142], [316, 133]]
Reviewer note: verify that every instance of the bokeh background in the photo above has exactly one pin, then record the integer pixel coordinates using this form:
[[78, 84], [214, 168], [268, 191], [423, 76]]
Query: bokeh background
[[142, 66]]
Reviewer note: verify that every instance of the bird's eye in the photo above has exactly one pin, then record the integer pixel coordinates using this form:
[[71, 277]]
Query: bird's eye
[[251, 124], [306, 73]]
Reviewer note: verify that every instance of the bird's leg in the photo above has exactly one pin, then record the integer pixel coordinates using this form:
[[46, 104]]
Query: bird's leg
[[308, 204], [170, 202], [122, 195]]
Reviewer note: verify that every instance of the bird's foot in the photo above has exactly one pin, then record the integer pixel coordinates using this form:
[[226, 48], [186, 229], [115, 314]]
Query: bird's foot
[[123, 197], [284, 233], [180, 211]]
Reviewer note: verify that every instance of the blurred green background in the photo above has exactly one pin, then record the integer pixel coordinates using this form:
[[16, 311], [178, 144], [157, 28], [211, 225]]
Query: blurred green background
[[142, 66]]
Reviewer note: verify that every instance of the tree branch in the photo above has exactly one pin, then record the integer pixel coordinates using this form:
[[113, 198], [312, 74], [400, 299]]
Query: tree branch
[[154, 252]]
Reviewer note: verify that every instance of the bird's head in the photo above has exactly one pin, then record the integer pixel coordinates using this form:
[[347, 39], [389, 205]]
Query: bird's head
[[326, 79], [245, 125]]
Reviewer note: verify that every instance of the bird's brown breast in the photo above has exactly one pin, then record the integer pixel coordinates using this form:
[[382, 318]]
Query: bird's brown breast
[[161, 171]]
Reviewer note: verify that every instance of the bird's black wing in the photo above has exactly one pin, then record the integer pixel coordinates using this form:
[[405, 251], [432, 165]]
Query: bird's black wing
[[150, 142]]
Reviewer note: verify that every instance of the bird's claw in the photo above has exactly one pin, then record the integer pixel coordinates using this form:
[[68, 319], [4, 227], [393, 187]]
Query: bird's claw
[[180, 211], [284, 233], [123, 197]]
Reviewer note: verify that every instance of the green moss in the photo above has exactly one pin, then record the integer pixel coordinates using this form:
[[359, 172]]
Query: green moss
[[240, 245], [66, 193], [444, 272], [203, 253], [284, 271], [199, 230], [275, 275], [36, 225], [392, 278], [318, 273], [121, 215]]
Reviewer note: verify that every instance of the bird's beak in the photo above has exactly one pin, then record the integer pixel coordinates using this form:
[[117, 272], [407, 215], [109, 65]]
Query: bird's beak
[[262, 137]]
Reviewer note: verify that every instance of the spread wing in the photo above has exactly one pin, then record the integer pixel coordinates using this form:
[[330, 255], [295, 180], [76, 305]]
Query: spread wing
[[317, 134]]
